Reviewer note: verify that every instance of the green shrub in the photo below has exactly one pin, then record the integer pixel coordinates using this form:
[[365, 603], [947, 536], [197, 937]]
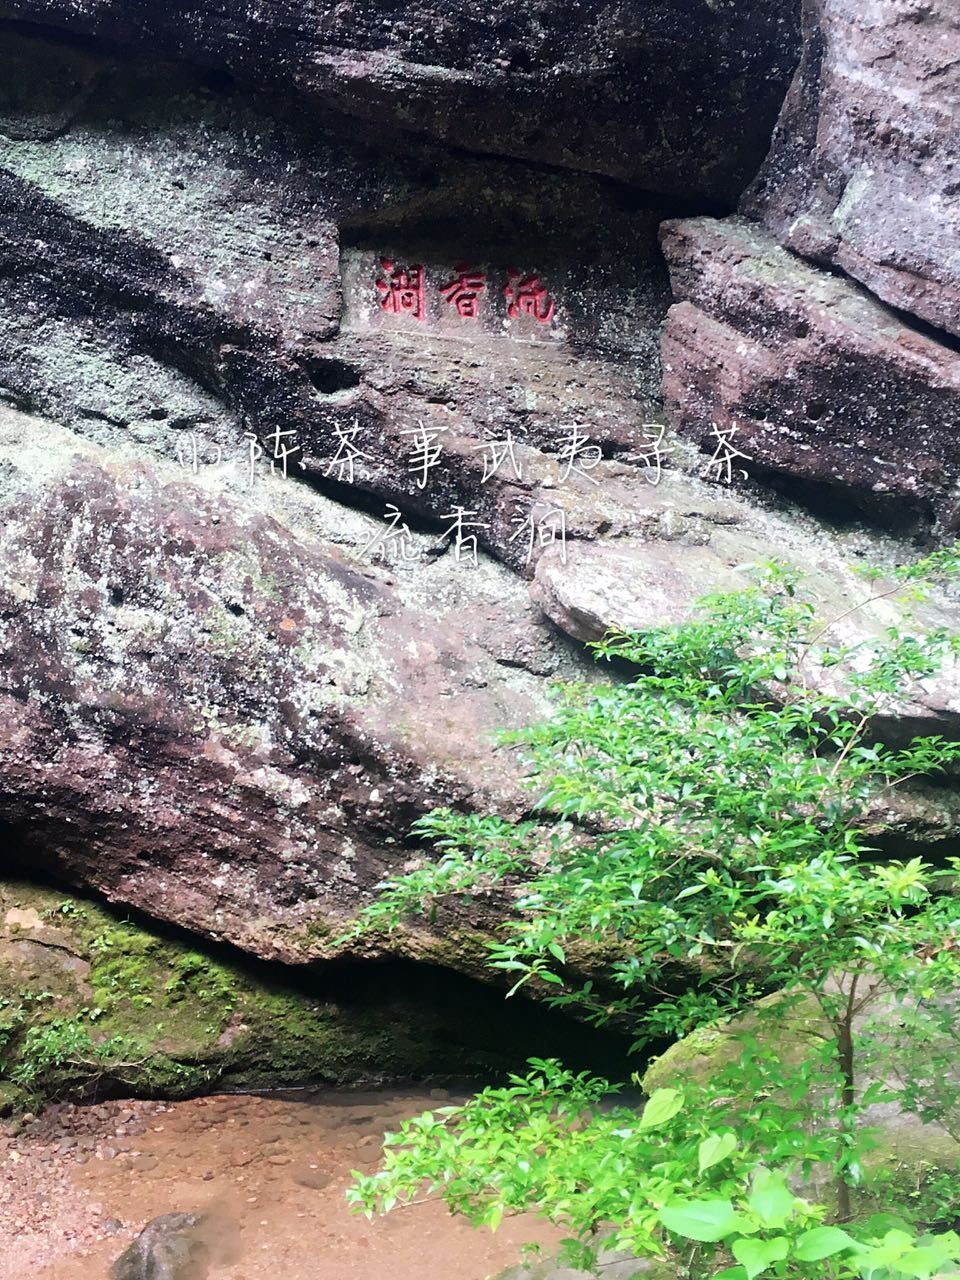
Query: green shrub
[[700, 829]]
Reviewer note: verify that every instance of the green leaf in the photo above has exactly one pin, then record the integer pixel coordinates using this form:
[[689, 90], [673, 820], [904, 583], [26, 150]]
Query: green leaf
[[891, 1249], [690, 890], [759, 1255], [662, 1106], [822, 1242], [921, 1263], [878, 1223], [714, 1148], [493, 1216], [771, 1199], [707, 1220]]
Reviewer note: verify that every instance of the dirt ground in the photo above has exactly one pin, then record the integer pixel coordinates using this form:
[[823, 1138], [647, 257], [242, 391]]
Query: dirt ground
[[77, 1184]]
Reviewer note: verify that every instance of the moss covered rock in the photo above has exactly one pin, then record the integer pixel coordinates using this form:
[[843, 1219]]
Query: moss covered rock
[[791, 1025], [89, 997], [93, 1001]]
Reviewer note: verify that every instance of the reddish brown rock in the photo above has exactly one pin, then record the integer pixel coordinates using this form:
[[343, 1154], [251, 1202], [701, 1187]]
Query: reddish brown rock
[[824, 385], [864, 172], [221, 719], [214, 706]]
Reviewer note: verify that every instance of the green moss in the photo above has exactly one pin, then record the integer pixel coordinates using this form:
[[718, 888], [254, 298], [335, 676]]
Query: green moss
[[12, 1098], [109, 1000], [698, 1056]]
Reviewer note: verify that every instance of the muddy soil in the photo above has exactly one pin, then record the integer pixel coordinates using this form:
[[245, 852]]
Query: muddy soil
[[77, 1184]]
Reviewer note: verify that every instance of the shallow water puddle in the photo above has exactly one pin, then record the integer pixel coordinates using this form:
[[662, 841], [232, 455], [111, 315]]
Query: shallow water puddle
[[79, 1184]]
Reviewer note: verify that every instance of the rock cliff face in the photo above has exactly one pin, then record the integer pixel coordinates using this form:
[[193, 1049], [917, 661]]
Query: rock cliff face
[[864, 172], [330, 337], [675, 96], [831, 384], [824, 385]]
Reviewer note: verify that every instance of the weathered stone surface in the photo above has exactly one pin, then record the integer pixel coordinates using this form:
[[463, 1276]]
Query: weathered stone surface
[[223, 720], [168, 1248], [918, 818], [824, 385], [865, 166], [212, 714], [204, 269], [677, 97]]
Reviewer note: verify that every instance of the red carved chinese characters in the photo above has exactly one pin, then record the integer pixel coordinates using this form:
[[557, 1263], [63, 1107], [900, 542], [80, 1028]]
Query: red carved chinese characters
[[402, 290], [528, 297], [464, 292]]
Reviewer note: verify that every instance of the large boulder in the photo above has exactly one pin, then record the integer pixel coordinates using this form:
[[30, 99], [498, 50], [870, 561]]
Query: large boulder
[[863, 172], [671, 545], [214, 708], [225, 721]]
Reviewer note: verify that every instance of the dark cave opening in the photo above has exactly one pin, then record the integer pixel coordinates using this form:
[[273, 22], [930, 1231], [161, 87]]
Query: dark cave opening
[[457, 1027], [329, 375]]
